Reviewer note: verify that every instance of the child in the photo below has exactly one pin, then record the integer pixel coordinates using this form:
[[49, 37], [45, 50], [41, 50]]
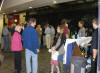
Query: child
[[17, 48], [54, 62]]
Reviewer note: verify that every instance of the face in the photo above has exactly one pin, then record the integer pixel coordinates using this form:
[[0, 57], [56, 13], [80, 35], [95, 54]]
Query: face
[[34, 24], [95, 26], [58, 29], [19, 30], [80, 25]]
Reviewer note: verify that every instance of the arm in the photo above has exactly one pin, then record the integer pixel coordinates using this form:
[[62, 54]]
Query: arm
[[95, 46], [63, 39]]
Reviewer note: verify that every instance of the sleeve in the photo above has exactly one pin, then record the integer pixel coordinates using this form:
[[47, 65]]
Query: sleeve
[[95, 40], [55, 41], [63, 40]]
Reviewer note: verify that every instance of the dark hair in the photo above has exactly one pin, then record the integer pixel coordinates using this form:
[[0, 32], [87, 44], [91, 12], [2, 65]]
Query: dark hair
[[5, 24], [64, 21], [32, 20], [95, 20], [82, 22]]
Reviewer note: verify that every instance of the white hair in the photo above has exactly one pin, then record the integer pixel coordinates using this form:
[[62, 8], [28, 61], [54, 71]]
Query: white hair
[[17, 27]]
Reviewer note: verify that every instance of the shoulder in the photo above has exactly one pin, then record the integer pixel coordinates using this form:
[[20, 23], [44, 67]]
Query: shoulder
[[16, 34], [83, 28]]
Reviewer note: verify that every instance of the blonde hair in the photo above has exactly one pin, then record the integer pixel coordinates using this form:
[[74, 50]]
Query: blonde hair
[[17, 27]]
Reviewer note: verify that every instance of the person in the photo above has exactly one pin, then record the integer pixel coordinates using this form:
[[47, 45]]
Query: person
[[81, 32], [31, 45], [17, 48], [39, 31], [5, 33], [48, 36], [52, 35], [54, 60], [64, 23], [43, 34], [94, 45], [58, 45]]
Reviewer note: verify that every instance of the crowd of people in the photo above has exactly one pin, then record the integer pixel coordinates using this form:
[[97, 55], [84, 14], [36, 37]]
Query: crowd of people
[[54, 39]]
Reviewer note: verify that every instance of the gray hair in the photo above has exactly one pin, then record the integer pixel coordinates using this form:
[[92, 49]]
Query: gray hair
[[17, 27]]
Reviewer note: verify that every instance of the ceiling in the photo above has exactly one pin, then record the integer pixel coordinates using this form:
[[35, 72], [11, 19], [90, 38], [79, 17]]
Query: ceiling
[[79, 5], [13, 6]]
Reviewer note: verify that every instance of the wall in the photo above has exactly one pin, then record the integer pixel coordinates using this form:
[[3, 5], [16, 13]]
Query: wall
[[22, 18], [13, 19], [1, 25]]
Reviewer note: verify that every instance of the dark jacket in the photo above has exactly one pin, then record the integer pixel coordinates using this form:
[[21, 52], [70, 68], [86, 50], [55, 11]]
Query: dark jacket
[[63, 40], [94, 43]]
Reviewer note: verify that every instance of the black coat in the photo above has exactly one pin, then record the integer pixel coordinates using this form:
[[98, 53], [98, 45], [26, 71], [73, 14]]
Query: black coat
[[94, 43]]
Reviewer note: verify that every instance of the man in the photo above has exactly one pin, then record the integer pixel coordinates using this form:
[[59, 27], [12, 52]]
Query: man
[[5, 33], [48, 36], [31, 44], [94, 46], [52, 34], [81, 32]]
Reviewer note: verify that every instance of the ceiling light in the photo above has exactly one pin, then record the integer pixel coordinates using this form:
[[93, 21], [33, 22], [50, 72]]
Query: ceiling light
[[54, 1], [14, 11], [3, 13], [30, 7]]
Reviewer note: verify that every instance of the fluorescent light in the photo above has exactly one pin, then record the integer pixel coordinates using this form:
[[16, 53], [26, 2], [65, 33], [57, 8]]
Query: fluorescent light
[[54, 1], [14, 11], [30, 7], [3, 13]]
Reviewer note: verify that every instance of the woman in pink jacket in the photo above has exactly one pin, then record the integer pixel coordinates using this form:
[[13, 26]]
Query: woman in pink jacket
[[17, 48]]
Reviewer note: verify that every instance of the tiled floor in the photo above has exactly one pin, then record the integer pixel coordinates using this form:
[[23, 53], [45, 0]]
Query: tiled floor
[[44, 62]]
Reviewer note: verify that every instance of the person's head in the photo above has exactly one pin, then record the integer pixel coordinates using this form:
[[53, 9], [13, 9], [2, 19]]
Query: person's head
[[60, 29], [39, 26], [95, 23], [64, 21], [5, 25], [18, 28], [80, 24], [32, 22]]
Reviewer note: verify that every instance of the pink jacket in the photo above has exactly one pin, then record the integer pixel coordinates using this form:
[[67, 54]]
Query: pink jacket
[[16, 42]]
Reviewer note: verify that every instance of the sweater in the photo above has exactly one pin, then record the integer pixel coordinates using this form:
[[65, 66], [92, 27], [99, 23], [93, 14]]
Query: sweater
[[30, 39], [16, 42]]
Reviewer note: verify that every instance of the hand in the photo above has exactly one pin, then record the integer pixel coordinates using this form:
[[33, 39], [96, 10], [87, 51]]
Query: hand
[[53, 48], [38, 50]]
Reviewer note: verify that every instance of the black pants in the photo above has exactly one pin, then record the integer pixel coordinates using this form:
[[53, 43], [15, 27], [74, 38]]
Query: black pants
[[17, 60], [94, 66]]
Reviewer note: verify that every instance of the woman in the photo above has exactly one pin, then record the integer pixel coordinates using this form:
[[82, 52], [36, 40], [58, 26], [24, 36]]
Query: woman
[[39, 31], [59, 45], [17, 48]]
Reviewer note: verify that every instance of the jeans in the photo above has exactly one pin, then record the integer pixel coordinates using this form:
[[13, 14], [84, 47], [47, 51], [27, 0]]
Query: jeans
[[34, 57], [5, 38], [40, 41]]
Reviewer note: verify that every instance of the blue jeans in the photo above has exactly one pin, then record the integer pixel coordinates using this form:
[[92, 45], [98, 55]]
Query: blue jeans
[[5, 38], [34, 57]]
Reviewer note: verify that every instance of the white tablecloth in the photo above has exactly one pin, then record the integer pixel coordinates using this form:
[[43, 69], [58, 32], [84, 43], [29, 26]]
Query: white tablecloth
[[80, 42]]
